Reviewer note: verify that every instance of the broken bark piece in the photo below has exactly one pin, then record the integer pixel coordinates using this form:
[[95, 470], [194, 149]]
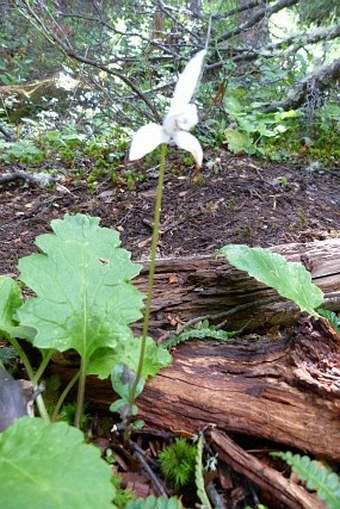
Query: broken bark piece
[[284, 490]]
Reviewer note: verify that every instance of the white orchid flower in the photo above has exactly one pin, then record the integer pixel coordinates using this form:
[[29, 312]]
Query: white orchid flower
[[181, 117]]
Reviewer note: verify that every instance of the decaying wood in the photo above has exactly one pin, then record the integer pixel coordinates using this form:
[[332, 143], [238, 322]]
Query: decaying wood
[[188, 288], [262, 475], [286, 390]]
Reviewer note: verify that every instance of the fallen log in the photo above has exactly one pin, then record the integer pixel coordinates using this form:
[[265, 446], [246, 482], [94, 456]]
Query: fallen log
[[189, 288], [286, 390]]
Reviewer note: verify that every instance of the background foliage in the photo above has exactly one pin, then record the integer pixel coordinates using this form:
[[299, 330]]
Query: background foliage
[[269, 85]]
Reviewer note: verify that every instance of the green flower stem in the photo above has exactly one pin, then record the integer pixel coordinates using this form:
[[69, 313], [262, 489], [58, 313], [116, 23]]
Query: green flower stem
[[63, 395], [42, 408], [155, 235], [23, 357]]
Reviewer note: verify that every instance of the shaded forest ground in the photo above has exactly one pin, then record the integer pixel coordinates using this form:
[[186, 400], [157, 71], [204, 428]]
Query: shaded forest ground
[[236, 200]]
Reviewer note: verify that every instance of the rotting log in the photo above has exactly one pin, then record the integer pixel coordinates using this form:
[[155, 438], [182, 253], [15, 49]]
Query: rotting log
[[188, 288], [286, 390]]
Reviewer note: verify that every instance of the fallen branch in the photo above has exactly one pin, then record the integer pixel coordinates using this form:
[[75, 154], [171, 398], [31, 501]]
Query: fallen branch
[[284, 490], [40, 179]]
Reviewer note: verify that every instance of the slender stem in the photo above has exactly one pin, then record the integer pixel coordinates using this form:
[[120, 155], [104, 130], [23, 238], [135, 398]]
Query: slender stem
[[46, 359], [155, 235], [21, 352], [42, 408], [63, 395], [81, 393]]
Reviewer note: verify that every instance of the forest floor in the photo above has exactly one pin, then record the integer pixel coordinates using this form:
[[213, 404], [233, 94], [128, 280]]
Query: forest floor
[[237, 200], [234, 200]]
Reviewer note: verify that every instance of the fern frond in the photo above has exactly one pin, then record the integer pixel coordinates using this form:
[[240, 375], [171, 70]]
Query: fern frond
[[317, 477], [152, 502], [332, 318], [199, 479], [200, 333]]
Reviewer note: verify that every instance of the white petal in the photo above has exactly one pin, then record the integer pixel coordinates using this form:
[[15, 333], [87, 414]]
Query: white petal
[[188, 142], [146, 139], [184, 118], [188, 81]]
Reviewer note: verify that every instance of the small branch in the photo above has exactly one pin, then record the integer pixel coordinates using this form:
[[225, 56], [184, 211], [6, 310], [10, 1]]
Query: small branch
[[8, 136], [40, 179], [265, 12], [237, 10], [317, 81], [157, 484]]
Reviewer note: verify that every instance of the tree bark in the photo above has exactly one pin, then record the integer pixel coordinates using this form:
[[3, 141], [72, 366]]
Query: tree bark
[[287, 390], [195, 287]]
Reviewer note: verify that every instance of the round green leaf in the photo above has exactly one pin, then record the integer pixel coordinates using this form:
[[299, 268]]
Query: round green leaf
[[49, 466]]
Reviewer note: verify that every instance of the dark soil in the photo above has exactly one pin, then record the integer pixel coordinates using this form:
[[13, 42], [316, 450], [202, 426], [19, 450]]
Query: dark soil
[[236, 200]]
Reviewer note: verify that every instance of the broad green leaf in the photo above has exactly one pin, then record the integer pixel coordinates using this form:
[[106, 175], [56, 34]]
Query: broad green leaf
[[10, 300], [50, 466], [290, 279], [239, 141], [84, 299], [127, 352], [123, 379]]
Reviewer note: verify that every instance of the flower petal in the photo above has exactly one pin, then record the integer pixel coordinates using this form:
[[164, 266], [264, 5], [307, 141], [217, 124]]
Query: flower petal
[[188, 142], [146, 139], [188, 81], [185, 118]]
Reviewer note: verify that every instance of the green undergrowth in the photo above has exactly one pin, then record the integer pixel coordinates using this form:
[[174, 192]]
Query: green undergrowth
[[73, 152], [316, 476]]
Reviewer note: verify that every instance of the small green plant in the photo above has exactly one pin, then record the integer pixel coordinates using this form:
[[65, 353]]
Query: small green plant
[[178, 462], [290, 279], [332, 318], [199, 476], [316, 476], [83, 301], [201, 331], [22, 151], [255, 131]]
